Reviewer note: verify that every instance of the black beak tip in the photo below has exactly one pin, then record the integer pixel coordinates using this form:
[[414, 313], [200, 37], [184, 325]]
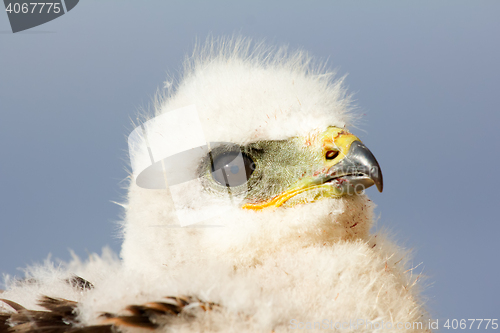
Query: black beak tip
[[380, 186], [376, 176]]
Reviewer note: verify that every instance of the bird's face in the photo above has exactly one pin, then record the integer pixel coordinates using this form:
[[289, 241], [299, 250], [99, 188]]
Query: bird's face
[[284, 173]]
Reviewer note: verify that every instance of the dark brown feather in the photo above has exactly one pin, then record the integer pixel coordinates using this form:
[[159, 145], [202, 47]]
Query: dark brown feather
[[79, 283], [12, 304], [3, 322], [150, 315], [61, 316]]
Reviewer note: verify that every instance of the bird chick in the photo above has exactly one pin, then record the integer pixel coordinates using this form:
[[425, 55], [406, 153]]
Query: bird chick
[[281, 235]]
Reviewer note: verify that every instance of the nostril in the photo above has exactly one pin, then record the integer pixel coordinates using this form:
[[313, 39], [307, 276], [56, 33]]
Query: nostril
[[331, 154]]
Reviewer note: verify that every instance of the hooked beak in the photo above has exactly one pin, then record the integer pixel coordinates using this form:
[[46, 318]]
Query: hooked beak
[[357, 171]]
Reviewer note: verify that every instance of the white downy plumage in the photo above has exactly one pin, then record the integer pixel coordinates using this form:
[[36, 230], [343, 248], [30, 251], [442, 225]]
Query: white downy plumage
[[313, 265]]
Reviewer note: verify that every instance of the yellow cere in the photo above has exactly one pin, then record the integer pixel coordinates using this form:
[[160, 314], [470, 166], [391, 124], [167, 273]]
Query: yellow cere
[[338, 139]]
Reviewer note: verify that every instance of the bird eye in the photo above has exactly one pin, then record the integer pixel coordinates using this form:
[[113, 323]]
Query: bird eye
[[232, 168], [331, 154]]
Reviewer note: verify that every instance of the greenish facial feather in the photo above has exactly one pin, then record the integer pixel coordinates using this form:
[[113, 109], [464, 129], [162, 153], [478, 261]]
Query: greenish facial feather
[[278, 166]]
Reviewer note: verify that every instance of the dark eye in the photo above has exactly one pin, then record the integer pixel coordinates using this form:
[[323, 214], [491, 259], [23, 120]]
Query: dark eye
[[331, 154], [232, 168]]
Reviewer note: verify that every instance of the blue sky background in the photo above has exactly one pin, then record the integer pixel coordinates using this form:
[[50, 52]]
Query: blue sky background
[[425, 75]]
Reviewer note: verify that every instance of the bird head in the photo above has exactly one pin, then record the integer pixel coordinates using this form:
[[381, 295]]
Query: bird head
[[280, 171], [270, 174]]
